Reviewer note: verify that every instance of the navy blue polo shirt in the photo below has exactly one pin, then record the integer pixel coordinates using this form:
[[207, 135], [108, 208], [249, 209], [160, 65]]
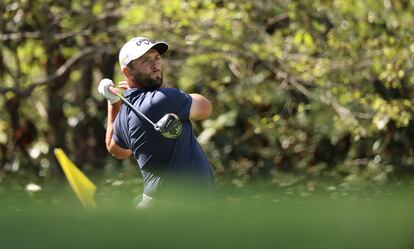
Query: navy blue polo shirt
[[161, 160]]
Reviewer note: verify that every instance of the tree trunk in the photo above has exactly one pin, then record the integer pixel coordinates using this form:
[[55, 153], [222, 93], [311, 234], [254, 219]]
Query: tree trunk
[[55, 97]]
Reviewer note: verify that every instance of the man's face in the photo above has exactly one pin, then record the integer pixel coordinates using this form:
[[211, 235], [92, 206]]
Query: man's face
[[146, 71]]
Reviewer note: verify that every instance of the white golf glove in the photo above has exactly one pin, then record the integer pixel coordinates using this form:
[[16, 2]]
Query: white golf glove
[[103, 89]]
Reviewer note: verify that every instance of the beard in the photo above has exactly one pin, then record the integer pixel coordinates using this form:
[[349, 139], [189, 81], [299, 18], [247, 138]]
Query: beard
[[146, 81]]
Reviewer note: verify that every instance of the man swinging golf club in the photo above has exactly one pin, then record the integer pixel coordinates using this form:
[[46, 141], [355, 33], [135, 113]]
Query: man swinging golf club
[[154, 124]]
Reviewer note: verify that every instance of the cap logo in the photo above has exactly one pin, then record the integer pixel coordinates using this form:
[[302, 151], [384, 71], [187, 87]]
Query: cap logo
[[145, 41]]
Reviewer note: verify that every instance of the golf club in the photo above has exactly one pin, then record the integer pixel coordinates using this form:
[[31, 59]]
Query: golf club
[[169, 125]]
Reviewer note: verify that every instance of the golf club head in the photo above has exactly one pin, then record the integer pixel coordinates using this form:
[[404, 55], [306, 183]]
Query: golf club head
[[170, 126]]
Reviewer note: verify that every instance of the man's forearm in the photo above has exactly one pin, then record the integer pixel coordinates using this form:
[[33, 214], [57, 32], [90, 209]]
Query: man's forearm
[[113, 110], [201, 107]]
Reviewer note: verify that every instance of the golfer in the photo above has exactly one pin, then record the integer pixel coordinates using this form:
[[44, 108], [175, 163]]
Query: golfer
[[169, 165]]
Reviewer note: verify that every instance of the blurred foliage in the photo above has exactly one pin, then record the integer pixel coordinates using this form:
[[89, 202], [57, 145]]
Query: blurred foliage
[[299, 88]]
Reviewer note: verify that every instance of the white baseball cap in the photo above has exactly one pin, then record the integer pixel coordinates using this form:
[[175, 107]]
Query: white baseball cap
[[138, 46]]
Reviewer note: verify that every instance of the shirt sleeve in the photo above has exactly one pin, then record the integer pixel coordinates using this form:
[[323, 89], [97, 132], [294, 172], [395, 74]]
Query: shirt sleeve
[[177, 101], [119, 133]]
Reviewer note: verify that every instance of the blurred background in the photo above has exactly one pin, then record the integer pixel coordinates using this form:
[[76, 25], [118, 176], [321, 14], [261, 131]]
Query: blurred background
[[303, 91]]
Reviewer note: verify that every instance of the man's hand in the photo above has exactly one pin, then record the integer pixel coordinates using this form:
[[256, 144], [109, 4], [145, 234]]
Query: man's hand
[[123, 85], [104, 90]]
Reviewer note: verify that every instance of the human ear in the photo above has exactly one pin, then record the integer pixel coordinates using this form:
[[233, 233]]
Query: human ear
[[126, 72]]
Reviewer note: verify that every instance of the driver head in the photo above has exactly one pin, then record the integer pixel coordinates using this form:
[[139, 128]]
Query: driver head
[[170, 126]]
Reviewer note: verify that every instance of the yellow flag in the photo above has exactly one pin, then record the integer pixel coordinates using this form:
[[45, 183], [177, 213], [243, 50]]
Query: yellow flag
[[81, 185]]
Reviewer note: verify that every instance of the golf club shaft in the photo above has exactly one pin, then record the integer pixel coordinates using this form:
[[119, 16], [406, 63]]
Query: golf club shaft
[[114, 91]]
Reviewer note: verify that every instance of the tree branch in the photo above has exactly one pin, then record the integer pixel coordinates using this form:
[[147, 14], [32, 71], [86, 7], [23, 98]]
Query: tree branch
[[59, 72], [344, 113]]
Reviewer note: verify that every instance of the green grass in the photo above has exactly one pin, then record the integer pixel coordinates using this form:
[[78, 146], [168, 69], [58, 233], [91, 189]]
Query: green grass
[[256, 216]]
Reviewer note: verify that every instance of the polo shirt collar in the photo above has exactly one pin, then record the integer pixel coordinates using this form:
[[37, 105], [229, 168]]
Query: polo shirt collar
[[132, 92]]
